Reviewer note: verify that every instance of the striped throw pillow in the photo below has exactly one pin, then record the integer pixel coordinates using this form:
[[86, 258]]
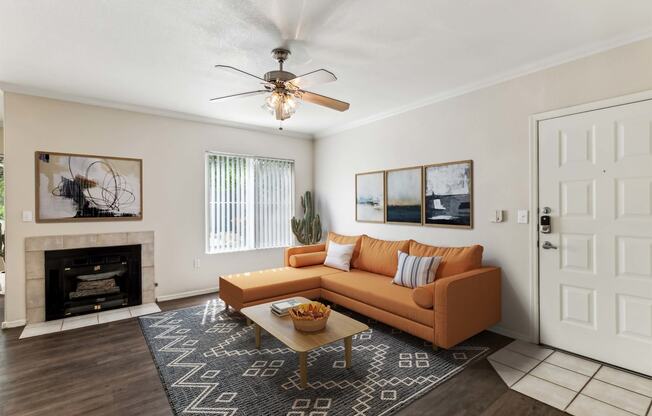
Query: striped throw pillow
[[414, 271]]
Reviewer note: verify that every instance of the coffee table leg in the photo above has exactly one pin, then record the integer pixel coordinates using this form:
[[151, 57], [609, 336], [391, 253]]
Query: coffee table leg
[[257, 332], [347, 351], [303, 369]]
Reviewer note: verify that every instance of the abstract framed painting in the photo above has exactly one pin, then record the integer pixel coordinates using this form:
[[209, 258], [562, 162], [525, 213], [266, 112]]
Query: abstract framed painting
[[73, 187], [448, 194], [370, 197], [403, 196]]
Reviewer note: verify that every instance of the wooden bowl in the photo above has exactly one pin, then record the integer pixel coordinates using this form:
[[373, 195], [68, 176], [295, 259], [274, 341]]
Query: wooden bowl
[[309, 323]]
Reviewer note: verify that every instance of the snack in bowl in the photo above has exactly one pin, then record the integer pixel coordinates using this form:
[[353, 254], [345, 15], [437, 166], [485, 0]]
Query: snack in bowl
[[310, 317]]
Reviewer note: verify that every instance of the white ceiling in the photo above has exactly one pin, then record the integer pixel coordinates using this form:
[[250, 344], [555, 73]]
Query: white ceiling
[[387, 54]]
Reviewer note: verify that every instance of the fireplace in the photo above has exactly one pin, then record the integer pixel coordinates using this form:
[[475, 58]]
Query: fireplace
[[86, 280]]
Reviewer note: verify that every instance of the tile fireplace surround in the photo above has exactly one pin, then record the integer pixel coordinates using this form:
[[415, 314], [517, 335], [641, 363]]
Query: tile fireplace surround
[[35, 248]]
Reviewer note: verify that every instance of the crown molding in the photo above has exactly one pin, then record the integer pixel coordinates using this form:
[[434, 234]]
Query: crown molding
[[524, 70], [37, 92]]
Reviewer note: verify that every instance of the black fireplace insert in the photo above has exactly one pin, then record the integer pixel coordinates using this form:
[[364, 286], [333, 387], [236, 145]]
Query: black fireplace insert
[[87, 280]]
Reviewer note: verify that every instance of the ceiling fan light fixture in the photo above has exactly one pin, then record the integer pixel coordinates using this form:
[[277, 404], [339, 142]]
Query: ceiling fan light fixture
[[281, 104]]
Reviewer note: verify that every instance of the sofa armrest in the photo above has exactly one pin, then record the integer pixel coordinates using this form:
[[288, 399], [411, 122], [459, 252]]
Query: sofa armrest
[[466, 304], [289, 251]]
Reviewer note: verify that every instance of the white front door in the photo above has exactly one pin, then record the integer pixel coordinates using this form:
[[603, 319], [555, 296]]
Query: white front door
[[595, 281]]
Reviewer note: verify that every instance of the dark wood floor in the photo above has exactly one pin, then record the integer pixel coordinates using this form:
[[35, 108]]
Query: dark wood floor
[[108, 370]]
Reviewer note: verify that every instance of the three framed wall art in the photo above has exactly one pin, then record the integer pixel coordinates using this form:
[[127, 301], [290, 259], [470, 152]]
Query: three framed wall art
[[438, 195]]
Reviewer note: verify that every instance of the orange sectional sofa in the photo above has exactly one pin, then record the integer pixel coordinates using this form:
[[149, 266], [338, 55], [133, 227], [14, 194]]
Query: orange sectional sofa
[[463, 300]]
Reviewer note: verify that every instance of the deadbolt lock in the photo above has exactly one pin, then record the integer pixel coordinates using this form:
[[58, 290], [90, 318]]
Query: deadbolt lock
[[544, 221], [544, 224]]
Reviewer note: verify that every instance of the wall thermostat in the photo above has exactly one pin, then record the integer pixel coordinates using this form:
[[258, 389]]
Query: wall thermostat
[[497, 216]]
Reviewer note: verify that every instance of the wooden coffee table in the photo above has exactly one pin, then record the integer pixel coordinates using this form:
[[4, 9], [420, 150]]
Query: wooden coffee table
[[338, 327]]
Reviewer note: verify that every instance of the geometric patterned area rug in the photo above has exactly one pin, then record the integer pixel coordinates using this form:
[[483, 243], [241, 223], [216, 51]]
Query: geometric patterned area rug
[[209, 364]]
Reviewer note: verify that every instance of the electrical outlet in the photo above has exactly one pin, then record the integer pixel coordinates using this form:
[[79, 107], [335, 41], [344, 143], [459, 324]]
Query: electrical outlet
[[27, 216], [196, 263]]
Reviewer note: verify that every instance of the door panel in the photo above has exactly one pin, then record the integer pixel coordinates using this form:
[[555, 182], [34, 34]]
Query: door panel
[[595, 174]]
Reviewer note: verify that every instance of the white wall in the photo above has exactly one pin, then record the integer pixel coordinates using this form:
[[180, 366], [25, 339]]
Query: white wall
[[491, 127], [173, 163]]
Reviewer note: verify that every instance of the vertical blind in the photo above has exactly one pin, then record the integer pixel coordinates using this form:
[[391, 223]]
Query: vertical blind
[[250, 202]]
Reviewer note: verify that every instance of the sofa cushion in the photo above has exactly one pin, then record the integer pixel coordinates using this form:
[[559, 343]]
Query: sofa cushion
[[346, 239], [263, 284], [339, 256], [455, 260], [380, 256], [415, 271], [311, 248], [424, 296], [377, 290], [307, 259]]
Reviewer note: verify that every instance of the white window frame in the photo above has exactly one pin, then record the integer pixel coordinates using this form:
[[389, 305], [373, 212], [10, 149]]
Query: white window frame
[[251, 219]]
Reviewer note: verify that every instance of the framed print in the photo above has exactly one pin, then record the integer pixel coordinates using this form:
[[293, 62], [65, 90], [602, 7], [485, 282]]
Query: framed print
[[72, 187], [448, 194], [370, 197], [403, 196]]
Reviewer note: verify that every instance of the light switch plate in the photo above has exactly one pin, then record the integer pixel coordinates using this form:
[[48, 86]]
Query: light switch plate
[[27, 216], [523, 216]]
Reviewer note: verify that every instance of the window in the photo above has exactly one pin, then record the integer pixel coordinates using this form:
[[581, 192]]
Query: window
[[250, 202]]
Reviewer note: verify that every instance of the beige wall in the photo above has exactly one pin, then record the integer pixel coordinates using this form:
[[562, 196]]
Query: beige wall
[[173, 163], [491, 127]]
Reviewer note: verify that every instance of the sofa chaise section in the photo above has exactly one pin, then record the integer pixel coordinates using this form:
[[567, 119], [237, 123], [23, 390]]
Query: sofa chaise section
[[247, 289]]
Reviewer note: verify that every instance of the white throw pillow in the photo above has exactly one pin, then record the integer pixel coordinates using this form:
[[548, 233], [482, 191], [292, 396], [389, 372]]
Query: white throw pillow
[[414, 271], [338, 256]]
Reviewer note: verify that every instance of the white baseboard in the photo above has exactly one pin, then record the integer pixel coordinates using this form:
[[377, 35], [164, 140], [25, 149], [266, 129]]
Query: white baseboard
[[510, 333], [188, 294], [14, 324]]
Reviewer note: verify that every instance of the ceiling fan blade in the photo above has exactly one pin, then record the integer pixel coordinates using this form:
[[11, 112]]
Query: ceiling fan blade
[[235, 70], [241, 95], [322, 100], [319, 76]]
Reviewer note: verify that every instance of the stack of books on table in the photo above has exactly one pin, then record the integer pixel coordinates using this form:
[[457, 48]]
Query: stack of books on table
[[282, 308]]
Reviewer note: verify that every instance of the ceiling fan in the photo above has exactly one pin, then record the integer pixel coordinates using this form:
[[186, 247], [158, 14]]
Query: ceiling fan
[[285, 89]]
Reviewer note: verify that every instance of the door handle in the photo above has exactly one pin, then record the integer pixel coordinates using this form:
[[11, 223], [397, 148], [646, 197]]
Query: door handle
[[547, 245]]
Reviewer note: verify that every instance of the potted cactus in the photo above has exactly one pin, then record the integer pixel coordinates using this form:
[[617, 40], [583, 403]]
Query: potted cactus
[[307, 229]]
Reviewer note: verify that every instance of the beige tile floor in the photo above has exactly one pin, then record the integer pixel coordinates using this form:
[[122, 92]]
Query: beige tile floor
[[48, 327], [576, 385]]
